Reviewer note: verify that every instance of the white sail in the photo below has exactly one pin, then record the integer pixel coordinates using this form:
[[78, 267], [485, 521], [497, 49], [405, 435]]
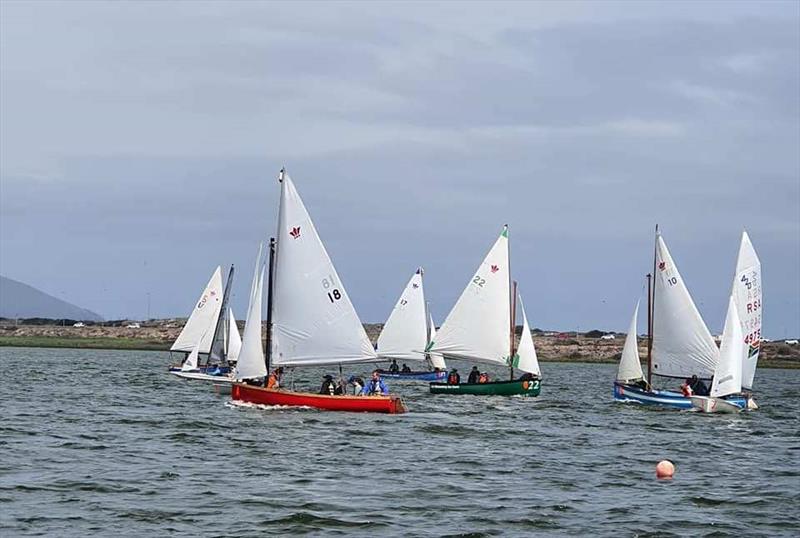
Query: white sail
[[191, 361], [747, 294], [314, 321], [437, 359], [630, 365], [234, 340], [477, 328], [682, 345], [406, 331], [200, 325], [526, 353], [251, 356], [728, 374]]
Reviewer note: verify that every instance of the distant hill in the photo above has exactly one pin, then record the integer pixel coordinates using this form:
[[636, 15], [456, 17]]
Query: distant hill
[[18, 300]]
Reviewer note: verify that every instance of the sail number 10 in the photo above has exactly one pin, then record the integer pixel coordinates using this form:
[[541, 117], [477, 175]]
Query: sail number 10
[[333, 293]]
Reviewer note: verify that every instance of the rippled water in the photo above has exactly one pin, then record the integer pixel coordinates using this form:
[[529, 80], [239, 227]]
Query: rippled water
[[107, 443]]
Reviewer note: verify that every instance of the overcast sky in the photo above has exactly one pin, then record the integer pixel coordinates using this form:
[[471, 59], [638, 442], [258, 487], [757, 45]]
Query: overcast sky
[[140, 142]]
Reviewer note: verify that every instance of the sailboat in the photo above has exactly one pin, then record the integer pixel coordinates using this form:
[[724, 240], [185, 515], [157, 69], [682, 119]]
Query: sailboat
[[310, 319], [480, 327], [406, 334], [199, 332], [747, 295], [728, 373], [679, 343]]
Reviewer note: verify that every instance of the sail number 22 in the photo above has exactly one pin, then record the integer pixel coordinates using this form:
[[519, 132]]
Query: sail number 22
[[333, 293]]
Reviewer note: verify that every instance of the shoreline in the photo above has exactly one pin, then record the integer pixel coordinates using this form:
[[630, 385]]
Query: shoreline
[[577, 350]]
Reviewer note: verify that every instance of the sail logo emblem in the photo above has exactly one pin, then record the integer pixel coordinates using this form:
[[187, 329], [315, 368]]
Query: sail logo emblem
[[415, 285], [662, 266], [495, 268], [295, 232]]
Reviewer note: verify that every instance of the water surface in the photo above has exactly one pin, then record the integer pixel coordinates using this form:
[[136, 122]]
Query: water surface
[[100, 443]]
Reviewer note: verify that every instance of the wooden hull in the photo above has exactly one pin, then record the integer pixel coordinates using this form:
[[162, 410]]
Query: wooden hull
[[414, 376], [662, 398], [359, 404], [496, 388], [714, 405]]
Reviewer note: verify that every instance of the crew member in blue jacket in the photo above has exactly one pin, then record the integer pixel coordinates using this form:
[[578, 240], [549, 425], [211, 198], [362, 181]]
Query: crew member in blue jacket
[[375, 386]]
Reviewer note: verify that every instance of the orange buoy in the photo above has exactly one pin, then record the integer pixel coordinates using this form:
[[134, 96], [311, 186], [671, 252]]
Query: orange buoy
[[665, 469]]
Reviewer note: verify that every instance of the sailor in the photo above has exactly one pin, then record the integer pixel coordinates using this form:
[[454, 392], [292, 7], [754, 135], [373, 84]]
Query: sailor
[[357, 383], [328, 386], [483, 378], [527, 376], [453, 378], [375, 386], [393, 367], [686, 388], [274, 380], [474, 374], [698, 387], [405, 369]]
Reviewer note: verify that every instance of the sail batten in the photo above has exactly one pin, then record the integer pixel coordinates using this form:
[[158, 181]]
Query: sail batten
[[477, 326], [630, 365], [682, 344], [406, 330], [199, 328], [747, 294], [314, 321]]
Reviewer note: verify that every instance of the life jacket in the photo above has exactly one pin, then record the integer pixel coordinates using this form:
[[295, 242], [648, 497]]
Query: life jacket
[[483, 378], [272, 382], [452, 379], [374, 387], [686, 390]]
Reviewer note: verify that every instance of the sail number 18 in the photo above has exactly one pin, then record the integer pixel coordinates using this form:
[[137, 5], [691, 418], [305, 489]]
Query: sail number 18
[[333, 293]]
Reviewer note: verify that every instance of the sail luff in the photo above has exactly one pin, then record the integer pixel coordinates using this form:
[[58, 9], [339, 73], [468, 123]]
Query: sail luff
[[219, 342], [234, 339], [728, 373], [437, 359], [525, 358], [251, 356], [630, 365], [747, 293]]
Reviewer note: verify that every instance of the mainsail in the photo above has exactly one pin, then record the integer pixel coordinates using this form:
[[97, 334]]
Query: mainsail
[[251, 357], [200, 325], [747, 294], [630, 366], [728, 374], [405, 333], [682, 344], [234, 340], [437, 359], [477, 328], [525, 358], [314, 321]]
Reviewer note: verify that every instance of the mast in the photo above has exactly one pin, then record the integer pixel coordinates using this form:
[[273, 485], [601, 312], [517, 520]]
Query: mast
[[513, 329], [270, 280], [651, 304]]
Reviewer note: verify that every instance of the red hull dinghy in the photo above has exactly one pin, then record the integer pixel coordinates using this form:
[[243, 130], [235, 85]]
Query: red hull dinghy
[[359, 404]]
